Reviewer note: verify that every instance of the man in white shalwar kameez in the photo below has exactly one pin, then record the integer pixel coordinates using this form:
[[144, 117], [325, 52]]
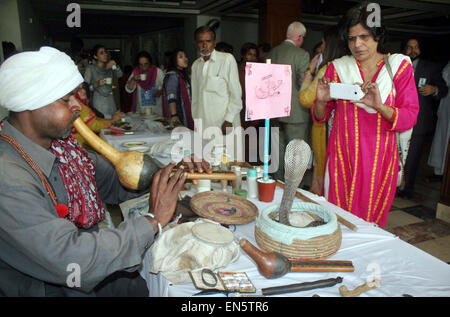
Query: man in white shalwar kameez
[[216, 95]]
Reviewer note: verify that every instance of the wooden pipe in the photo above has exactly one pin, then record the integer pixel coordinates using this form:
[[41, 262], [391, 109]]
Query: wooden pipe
[[275, 265], [346, 223], [133, 168], [214, 175]]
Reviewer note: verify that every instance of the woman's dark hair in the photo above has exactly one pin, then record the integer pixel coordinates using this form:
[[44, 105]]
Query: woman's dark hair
[[248, 46], [265, 47], [95, 49], [143, 54], [335, 47], [224, 47], [359, 15], [203, 29], [76, 45], [314, 50], [172, 64], [406, 40]]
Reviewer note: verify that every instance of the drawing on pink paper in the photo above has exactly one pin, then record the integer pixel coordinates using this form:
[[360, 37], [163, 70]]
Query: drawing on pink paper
[[268, 89]]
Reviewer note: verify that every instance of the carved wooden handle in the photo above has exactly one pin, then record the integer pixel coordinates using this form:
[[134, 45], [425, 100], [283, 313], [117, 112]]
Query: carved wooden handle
[[359, 290]]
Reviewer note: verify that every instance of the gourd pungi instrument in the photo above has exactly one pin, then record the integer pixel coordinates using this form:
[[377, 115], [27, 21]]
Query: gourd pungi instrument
[[134, 169]]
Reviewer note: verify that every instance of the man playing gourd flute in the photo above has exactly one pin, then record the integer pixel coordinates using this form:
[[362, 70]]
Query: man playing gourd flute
[[52, 192]]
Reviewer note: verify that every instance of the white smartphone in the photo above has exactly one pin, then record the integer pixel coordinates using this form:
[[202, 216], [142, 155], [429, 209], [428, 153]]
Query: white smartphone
[[345, 91]]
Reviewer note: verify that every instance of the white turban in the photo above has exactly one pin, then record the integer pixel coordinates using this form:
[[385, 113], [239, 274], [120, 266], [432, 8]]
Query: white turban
[[31, 80]]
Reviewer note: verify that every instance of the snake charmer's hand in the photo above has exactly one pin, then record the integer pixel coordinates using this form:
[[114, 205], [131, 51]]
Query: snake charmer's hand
[[164, 193], [193, 163]]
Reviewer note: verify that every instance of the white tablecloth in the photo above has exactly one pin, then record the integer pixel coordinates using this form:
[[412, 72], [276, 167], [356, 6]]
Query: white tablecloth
[[141, 132], [375, 253]]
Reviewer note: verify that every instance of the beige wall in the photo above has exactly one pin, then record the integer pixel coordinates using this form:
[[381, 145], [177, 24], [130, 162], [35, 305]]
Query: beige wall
[[10, 23], [31, 29], [237, 33]]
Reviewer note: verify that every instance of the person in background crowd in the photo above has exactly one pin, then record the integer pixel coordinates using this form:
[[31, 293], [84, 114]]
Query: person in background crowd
[[76, 49], [362, 160], [89, 117], [216, 92], [145, 83], [333, 48], [431, 87], [224, 47], [9, 49], [99, 76], [318, 51], [441, 137], [249, 53], [167, 55], [263, 50], [176, 94], [297, 124], [126, 99], [83, 63]]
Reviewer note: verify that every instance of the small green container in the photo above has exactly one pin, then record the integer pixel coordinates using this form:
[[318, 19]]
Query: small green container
[[241, 192]]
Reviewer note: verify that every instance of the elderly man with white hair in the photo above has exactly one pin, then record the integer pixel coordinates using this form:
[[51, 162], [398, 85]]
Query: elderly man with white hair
[[52, 192], [297, 125]]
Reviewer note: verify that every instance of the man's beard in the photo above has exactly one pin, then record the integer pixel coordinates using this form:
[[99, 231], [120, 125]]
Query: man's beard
[[65, 133], [204, 55], [414, 57]]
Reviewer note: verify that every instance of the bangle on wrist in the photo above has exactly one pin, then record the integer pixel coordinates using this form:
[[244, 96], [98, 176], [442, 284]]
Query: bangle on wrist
[[159, 225]]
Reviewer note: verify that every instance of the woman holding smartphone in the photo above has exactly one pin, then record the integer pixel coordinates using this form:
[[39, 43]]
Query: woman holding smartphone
[[362, 157]]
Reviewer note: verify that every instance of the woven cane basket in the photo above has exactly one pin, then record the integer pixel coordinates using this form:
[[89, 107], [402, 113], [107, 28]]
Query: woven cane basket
[[299, 243]]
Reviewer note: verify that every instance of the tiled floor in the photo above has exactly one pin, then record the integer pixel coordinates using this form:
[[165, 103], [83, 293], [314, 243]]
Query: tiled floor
[[414, 220]]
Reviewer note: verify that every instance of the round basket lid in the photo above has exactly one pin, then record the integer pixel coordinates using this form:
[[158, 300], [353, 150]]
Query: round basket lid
[[224, 208], [212, 233]]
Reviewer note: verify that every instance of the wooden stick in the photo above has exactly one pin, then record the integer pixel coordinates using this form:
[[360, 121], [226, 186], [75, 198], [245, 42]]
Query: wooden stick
[[359, 290], [322, 266], [347, 223], [215, 175]]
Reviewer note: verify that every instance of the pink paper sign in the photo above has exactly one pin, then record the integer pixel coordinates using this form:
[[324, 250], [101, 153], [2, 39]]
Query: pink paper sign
[[268, 89]]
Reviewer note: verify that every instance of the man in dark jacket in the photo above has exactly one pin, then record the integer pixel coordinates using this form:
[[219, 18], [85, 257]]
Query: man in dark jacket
[[431, 88]]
